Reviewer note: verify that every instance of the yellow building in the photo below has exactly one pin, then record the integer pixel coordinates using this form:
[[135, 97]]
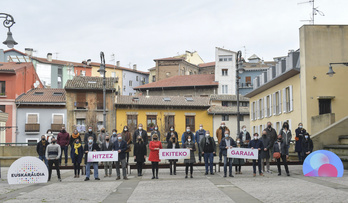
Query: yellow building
[[163, 111], [112, 71]]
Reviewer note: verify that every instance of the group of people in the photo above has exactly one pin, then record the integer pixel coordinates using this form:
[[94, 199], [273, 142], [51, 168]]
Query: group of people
[[269, 145]]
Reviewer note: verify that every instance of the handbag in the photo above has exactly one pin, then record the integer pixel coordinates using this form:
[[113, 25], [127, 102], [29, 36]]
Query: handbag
[[276, 155]]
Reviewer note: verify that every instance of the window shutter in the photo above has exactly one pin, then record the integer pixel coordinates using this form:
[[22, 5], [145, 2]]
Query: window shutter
[[57, 119], [280, 102], [258, 109], [252, 111], [32, 118], [284, 100], [274, 104], [290, 124], [265, 114], [291, 98], [270, 105]]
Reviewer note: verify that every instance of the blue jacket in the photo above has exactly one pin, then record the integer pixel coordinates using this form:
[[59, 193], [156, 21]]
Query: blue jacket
[[79, 156], [198, 133], [123, 148], [223, 145], [184, 135], [256, 144]]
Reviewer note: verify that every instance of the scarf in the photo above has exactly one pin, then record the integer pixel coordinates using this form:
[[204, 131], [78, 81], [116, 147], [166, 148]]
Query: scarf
[[76, 146], [75, 135]]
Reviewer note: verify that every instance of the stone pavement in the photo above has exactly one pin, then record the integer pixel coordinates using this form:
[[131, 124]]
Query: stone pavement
[[210, 188]]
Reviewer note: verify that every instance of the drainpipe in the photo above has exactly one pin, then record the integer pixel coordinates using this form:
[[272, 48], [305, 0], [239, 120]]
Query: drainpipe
[[16, 121]]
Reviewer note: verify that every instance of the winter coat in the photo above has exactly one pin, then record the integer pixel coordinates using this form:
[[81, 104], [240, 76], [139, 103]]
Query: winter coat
[[192, 152], [185, 136], [272, 135], [169, 134], [266, 144], [300, 135], [143, 135], [72, 140], [120, 146], [140, 151], [76, 158], [286, 135], [247, 138], [126, 136], [199, 133], [113, 138], [41, 148], [256, 144], [284, 148], [63, 139], [101, 138], [87, 135], [204, 145], [95, 147], [154, 154], [237, 161], [307, 146], [171, 144], [109, 148], [223, 145], [220, 133]]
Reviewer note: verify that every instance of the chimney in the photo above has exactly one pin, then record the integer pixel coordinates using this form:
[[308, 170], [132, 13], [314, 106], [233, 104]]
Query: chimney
[[28, 51], [49, 57], [89, 61], [135, 67], [117, 64]]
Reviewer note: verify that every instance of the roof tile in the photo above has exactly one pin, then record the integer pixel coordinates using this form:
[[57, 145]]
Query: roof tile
[[90, 83], [42, 95]]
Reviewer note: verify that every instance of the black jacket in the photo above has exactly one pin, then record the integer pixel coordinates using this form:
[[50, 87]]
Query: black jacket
[[143, 135], [284, 148], [272, 135], [140, 151], [40, 148], [169, 134], [204, 142], [247, 136], [109, 148], [95, 146], [307, 146], [223, 145], [88, 134], [170, 144]]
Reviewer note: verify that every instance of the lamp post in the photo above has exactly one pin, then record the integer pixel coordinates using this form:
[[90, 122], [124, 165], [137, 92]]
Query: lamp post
[[102, 72], [8, 22], [239, 70], [331, 72]]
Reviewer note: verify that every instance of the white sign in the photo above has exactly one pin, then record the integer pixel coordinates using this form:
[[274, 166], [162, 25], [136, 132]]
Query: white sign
[[174, 153], [242, 153], [27, 170], [102, 156]]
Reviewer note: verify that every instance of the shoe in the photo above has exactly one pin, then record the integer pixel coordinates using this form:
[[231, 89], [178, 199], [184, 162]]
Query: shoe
[[206, 173], [118, 178], [59, 179], [91, 172], [191, 176], [105, 176], [66, 164], [225, 175], [269, 171], [279, 174], [78, 176], [240, 172], [156, 177], [211, 173], [75, 176], [254, 174], [153, 177], [49, 180], [261, 174], [140, 174], [125, 178], [288, 174], [175, 173], [231, 175], [171, 173], [186, 176], [109, 175], [97, 179], [86, 179]]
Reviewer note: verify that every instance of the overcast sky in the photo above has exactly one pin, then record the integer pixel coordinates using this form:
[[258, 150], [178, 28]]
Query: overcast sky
[[138, 31]]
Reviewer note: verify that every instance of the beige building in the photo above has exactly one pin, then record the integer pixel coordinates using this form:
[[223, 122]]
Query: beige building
[[3, 120]]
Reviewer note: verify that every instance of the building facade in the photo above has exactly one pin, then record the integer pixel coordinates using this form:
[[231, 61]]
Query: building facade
[[225, 70]]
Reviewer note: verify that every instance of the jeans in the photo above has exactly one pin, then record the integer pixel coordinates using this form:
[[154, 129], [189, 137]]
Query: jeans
[[65, 149], [50, 164], [108, 167], [88, 169], [284, 162], [208, 157], [43, 158], [229, 162], [123, 163], [258, 163]]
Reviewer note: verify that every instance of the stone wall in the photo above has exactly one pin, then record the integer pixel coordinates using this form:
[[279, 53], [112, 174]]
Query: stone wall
[[321, 121]]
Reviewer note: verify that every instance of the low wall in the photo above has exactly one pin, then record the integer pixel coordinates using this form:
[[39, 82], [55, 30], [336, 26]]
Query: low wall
[[320, 122]]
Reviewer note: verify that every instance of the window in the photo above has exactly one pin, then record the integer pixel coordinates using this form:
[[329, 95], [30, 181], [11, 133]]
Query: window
[[130, 83], [130, 94], [132, 122], [324, 106], [226, 103], [287, 99], [261, 108], [224, 118], [81, 100], [191, 73], [225, 58], [2, 108], [153, 78], [278, 110], [137, 78], [190, 122], [2, 88], [248, 80], [268, 106], [57, 119], [224, 89], [113, 74], [241, 118], [253, 110], [81, 125], [151, 121], [32, 118], [169, 121], [100, 125], [246, 104], [224, 72], [32, 142]]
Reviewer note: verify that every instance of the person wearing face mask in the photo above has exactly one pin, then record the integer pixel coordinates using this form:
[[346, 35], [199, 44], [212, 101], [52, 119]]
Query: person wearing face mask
[[200, 134], [173, 144], [154, 146], [265, 152], [271, 134], [75, 135], [285, 132], [53, 152], [49, 135], [208, 149], [63, 140], [91, 146], [281, 147], [121, 146], [140, 153], [189, 144], [113, 137], [88, 134], [238, 162], [244, 137], [307, 146], [220, 133], [140, 131], [76, 156], [101, 137], [156, 131], [227, 143], [171, 132], [41, 149], [185, 135], [257, 144], [107, 146], [126, 136], [300, 132]]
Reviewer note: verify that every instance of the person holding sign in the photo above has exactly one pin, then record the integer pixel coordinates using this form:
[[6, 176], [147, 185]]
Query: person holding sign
[[173, 144], [185, 135], [208, 150], [282, 150], [76, 155], [140, 154], [91, 146], [154, 146], [121, 146], [107, 146], [227, 143], [257, 144], [189, 144]]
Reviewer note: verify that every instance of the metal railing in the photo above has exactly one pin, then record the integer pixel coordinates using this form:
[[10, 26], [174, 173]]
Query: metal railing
[[32, 127]]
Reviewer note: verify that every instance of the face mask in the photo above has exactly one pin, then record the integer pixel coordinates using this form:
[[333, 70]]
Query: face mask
[[173, 138], [77, 142], [171, 129], [207, 135], [264, 135], [42, 139], [256, 138], [187, 130], [114, 133], [238, 142], [139, 139], [222, 126], [201, 128], [140, 128], [306, 136], [90, 130], [156, 128], [103, 131], [49, 132], [269, 126], [226, 135], [127, 129], [119, 138], [244, 129], [300, 126], [155, 138], [107, 140], [189, 140], [63, 131], [90, 141], [53, 142], [279, 139]]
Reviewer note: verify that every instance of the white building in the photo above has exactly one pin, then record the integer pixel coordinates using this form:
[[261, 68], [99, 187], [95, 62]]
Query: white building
[[225, 70]]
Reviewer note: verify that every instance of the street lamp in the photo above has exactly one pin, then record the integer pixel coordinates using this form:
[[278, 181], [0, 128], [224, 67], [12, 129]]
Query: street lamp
[[331, 72], [239, 70], [8, 22], [102, 72]]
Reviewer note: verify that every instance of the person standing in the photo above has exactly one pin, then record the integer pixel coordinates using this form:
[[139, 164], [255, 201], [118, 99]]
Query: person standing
[[101, 137], [208, 149], [227, 143], [244, 137], [156, 131], [113, 137], [91, 146], [126, 136], [300, 132], [76, 155], [257, 144], [41, 149], [171, 132], [265, 152], [238, 162], [121, 146], [220, 132], [63, 140], [107, 146], [89, 134], [53, 152], [140, 131], [285, 132], [140, 153], [49, 135], [281, 147], [154, 146], [200, 134], [189, 144], [75, 135], [173, 144], [307, 146], [185, 135]]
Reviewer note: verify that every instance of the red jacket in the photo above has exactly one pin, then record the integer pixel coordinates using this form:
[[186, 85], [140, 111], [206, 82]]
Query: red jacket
[[63, 139], [154, 154]]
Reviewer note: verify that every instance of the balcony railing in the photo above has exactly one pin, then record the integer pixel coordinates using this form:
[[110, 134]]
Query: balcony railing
[[32, 127], [245, 85], [56, 127], [81, 105]]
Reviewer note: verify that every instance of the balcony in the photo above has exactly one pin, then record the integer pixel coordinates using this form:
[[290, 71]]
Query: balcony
[[81, 105], [32, 127], [100, 105], [56, 127], [245, 85], [3, 94]]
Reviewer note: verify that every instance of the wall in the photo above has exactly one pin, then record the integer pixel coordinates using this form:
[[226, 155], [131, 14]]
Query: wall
[[181, 92], [131, 76], [118, 72], [207, 70], [193, 57], [249, 73], [230, 79], [173, 67], [152, 73], [321, 121], [231, 124]]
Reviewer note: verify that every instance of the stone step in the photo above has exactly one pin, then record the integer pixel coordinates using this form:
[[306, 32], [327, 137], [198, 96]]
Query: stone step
[[344, 161], [340, 150], [343, 139]]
